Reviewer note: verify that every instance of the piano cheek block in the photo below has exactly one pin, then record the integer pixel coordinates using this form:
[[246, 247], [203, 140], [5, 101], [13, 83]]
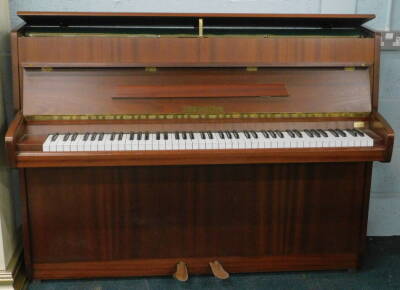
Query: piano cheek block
[[202, 148]]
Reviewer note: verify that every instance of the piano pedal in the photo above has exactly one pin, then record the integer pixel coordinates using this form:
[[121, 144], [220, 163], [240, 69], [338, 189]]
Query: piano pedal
[[219, 271], [181, 273]]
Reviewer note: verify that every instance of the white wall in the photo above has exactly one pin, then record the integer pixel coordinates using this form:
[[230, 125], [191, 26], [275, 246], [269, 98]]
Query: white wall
[[7, 225], [385, 201]]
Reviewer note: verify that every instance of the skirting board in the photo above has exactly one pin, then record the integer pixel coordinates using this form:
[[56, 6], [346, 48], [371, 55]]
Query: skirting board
[[14, 277]]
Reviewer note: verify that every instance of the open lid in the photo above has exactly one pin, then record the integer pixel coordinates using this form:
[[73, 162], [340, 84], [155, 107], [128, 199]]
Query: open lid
[[93, 19]]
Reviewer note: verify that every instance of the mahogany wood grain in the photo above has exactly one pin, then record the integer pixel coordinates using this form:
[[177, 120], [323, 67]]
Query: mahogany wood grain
[[32, 159], [219, 15], [13, 135], [195, 52], [365, 212], [37, 128], [154, 267], [26, 234], [201, 91], [89, 91], [14, 35], [383, 129], [248, 211], [376, 70], [114, 214]]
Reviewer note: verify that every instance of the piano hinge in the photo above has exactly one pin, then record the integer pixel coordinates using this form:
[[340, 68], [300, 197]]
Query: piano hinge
[[47, 69], [350, 68], [252, 68], [359, 124], [150, 69], [201, 27]]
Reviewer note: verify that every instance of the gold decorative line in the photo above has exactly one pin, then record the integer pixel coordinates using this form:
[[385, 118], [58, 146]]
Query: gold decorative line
[[194, 116]]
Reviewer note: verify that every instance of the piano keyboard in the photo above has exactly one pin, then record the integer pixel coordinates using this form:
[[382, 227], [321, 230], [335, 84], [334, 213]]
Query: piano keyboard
[[207, 140]]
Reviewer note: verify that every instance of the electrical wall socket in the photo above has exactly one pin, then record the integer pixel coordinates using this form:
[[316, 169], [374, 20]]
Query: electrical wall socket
[[390, 40]]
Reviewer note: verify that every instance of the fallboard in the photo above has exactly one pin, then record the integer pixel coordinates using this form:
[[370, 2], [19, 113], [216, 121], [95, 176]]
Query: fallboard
[[193, 92]]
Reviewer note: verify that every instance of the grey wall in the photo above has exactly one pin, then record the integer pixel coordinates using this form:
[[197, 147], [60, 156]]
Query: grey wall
[[385, 202]]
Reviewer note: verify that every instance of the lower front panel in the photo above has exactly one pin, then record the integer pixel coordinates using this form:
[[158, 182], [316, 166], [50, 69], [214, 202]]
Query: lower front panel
[[123, 221]]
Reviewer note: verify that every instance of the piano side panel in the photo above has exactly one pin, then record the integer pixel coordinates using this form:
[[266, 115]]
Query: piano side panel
[[162, 215], [213, 51]]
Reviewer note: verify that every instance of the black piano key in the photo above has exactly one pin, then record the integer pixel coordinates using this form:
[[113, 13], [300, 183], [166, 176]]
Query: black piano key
[[361, 133], [146, 136], [165, 136], [291, 133], [351, 132], [139, 136], [66, 137], [177, 136], [272, 133], [309, 133], [297, 133], [228, 134], [191, 135], [247, 134], [221, 135], [86, 136], [54, 137], [210, 135], [120, 136], [184, 135], [74, 136], [315, 132], [265, 133], [235, 134], [101, 136], [323, 133], [132, 136], [333, 132], [93, 137], [203, 135], [341, 132], [254, 134], [279, 133], [158, 136]]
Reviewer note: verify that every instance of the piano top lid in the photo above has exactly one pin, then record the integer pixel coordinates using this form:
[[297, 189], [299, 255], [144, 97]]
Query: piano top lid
[[235, 19]]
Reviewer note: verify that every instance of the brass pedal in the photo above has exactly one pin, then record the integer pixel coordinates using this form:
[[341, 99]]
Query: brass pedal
[[181, 273], [219, 271]]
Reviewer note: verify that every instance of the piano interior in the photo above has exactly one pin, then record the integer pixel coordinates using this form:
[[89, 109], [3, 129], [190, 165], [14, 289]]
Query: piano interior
[[146, 140]]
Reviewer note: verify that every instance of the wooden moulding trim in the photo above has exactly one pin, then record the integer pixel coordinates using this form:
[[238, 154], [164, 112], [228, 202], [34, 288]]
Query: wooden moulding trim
[[384, 130], [199, 157], [189, 64], [14, 132], [201, 91], [198, 115], [151, 267], [376, 71], [271, 15], [15, 70]]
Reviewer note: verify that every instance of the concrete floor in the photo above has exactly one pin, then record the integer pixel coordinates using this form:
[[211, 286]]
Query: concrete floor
[[381, 270]]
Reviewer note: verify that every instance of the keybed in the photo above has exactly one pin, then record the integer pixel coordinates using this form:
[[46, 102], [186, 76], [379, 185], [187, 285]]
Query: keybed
[[206, 140]]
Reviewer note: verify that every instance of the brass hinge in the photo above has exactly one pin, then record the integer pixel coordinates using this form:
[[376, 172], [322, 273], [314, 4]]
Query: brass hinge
[[350, 68], [252, 68], [359, 124], [201, 27], [150, 69], [47, 69]]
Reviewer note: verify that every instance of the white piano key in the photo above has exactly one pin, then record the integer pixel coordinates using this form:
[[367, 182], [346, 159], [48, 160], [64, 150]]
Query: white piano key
[[122, 143], [46, 144], [67, 144]]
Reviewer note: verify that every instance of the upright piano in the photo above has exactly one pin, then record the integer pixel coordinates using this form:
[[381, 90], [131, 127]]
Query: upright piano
[[148, 141]]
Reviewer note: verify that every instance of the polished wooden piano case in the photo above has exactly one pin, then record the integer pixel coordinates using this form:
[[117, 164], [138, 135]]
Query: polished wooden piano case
[[137, 213]]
